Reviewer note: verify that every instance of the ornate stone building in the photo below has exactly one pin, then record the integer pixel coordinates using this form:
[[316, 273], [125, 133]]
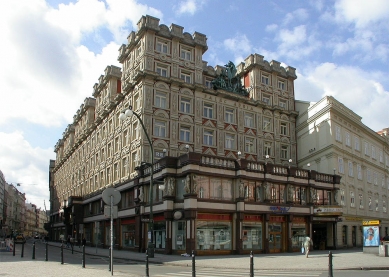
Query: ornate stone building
[[336, 141], [224, 146]]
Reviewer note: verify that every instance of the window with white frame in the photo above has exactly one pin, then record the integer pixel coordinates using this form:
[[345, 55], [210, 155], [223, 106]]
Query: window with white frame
[[356, 143], [160, 128], [359, 171], [266, 99], [185, 133], [186, 77], [283, 104], [185, 105], [265, 79], [338, 135], [281, 84], [249, 145], [373, 154], [284, 128], [134, 161], [229, 115], [376, 204], [186, 54], [342, 198], [208, 110], [368, 173], [381, 156], [348, 139], [208, 83], [350, 169], [160, 100], [135, 130], [382, 181], [267, 148], [162, 70], [267, 126], [370, 204], [375, 178], [124, 166], [340, 165], [208, 137], [162, 46], [249, 120], [116, 172], [230, 141], [284, 151], [360, 201], [384, 205], [366, 148], [387, 183], [352, 199]]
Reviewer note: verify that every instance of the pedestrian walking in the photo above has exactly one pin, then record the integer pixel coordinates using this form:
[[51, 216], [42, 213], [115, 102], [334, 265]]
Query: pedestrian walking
[[68, 242], [307, 245], [83, 241]]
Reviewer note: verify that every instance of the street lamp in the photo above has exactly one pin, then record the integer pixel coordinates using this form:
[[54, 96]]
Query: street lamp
[[150, 245]]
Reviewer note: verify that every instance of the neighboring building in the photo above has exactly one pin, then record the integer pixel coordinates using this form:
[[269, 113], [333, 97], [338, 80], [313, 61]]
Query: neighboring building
[[15, 217], [333, 140], [31, 220], [2, 201], [226, 156]]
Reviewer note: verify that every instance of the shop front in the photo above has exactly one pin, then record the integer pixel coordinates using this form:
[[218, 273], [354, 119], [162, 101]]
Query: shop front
[[276, 234], [324, 227], [299, 232], [252, 230]]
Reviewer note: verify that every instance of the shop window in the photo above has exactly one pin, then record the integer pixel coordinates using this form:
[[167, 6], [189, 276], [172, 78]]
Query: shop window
[[298, 235], [344, 235], [159, 234], [213, 235], [252, 235], [179, 235], [128, 235]]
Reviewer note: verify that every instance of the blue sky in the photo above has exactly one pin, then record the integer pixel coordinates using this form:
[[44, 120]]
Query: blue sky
[[53, 52]]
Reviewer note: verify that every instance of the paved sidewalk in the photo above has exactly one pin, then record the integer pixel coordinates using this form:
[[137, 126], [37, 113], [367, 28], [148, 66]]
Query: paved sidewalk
[[342, 259]]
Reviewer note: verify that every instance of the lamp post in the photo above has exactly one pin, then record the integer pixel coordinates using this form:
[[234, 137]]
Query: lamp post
[[150, 245]]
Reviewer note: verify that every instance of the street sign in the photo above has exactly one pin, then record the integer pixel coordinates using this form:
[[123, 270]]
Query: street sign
[[107, 211], [108, 192], [146, 220]]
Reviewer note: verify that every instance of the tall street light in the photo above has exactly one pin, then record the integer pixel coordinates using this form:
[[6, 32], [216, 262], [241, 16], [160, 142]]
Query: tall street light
[[150, 246]]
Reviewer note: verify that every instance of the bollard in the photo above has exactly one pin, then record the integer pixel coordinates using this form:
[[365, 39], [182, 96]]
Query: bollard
[[83, 256], [33, 251], [22, 254], [109, 258], [13, 248], [330, 273], [251, 264], [147, 264], [61, 253], [193, 264], [71, 245], [47, 252]]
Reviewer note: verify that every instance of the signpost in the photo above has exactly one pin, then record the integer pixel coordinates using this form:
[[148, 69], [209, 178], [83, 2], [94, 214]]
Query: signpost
[[111, 197]]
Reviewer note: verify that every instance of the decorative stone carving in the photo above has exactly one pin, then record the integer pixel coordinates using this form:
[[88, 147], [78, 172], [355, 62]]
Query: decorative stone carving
[[141, 195], [241, 190], [290, 193], [194, 183], [187, 184]]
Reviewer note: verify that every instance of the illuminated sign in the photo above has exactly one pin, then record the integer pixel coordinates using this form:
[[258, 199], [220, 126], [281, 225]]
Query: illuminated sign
[[279, 209], [370, 222], [324, 210]]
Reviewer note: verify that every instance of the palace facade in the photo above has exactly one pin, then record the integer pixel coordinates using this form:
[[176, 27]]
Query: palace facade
[[225, 177]]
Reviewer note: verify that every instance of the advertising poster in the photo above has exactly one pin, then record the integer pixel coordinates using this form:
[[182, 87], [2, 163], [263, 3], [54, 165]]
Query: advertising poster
[[371, 236]]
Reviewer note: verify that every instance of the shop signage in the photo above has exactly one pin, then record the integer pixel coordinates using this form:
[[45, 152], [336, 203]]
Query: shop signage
[[370, 222], [316, 218], [350, 218], [146, 220], [279, 209], [328, 210]]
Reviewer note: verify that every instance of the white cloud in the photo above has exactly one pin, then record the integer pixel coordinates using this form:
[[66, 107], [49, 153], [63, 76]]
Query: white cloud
[[240, 45], [358, 90], [362, 12], [271, 28], [190, 6], [22, 163], [296, 15]]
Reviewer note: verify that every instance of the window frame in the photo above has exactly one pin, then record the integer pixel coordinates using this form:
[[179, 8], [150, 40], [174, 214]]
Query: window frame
[[229, 141], [185, 133], [208, 110], [185, 105], [158, 99], [208, 137], [229, 115], [160, 128]]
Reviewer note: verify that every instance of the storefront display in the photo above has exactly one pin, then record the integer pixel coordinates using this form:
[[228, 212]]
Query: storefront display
[[179, 237], [213, 232], [252, 235]]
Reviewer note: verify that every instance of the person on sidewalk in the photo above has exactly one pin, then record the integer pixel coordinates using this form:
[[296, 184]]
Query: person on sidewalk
[[83, 241], [307, 245], [68, 242]]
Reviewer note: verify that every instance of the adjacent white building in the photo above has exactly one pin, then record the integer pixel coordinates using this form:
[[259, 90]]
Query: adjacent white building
[[332, 139]]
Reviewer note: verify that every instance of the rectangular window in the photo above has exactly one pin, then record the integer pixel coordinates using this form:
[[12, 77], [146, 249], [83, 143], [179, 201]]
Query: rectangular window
[[376, 205], [230, 141], [249, 145], [162, 71], [160, 100], [373, 152], [284, 128], [268, 148], [208, 137], [162, 47], [284, 152], [359, 170], [352, 199], [342, 199], [249, 120], [384, 206], [229, 115], [159, 128], [283, 104], [356, 143], [266, 99], [185, 105], [370, 204], [186, 77], [208, 83], [360, 201], [350, 169], [348, 139], [208, 110], [265, 79], [186, 54], [368, 173], [185, 133], [381, 156], [281, 85], [338, 135], [340, 165], [267, 126], [366, 148]]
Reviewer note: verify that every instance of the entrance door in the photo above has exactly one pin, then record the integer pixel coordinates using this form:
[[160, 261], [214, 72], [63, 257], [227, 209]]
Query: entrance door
[[159, 238], [275, 237]]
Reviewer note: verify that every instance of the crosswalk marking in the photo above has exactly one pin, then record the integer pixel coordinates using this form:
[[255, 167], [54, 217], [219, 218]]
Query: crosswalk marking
[[240, 273]]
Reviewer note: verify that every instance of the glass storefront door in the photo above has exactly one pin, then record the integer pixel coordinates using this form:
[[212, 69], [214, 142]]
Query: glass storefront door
[[275, 237]]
